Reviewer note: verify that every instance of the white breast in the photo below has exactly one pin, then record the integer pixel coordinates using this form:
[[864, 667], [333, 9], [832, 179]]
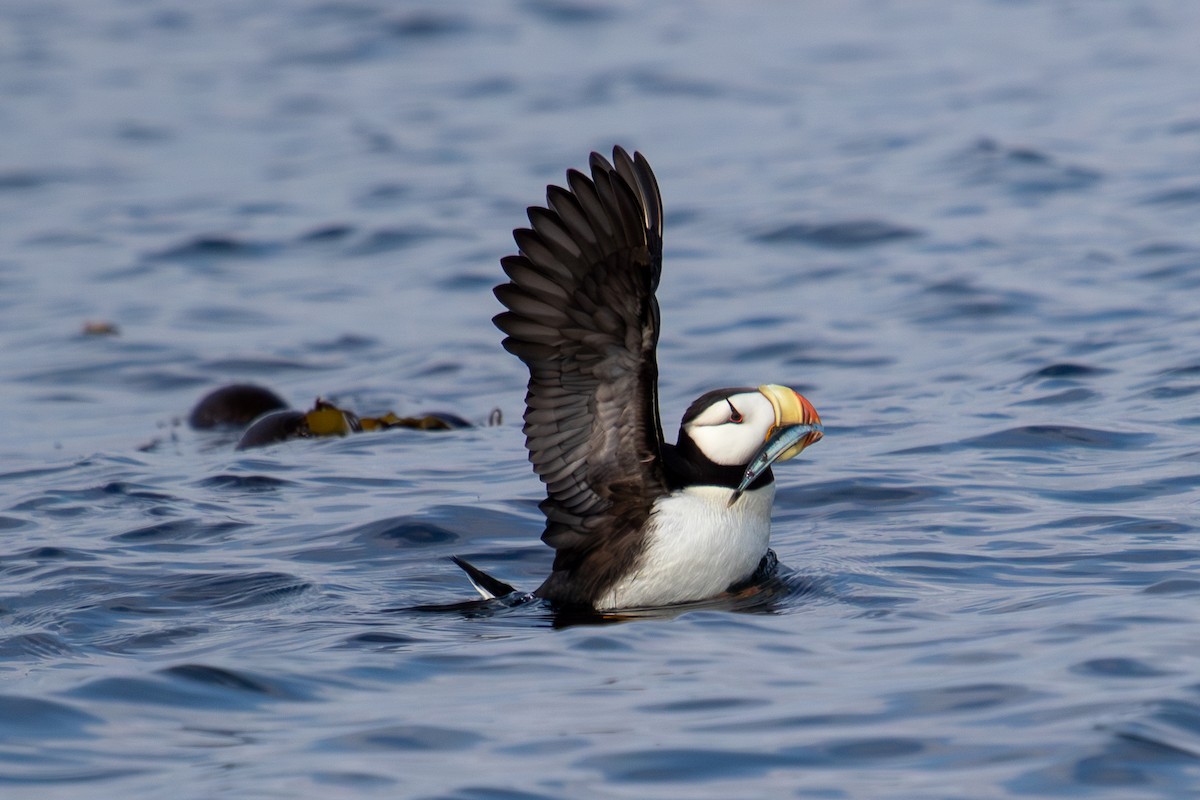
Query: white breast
[[697, 545]]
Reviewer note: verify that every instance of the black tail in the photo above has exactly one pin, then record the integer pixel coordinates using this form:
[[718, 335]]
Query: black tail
[[485, 584]]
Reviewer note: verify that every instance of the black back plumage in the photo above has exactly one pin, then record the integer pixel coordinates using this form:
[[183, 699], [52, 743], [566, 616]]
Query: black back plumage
[[583, 317]]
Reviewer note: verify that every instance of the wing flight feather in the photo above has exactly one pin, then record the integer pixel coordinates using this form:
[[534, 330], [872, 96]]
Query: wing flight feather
[[583, 317]]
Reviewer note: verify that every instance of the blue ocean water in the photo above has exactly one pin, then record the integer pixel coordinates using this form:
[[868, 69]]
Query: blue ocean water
[[967, 231]]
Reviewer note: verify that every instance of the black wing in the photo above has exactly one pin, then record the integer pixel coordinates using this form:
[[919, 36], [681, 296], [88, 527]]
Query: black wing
[[583, 317]]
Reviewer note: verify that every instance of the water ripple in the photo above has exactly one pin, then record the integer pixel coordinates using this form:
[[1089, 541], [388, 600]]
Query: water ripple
[[837, 235], [22, 717], [1041, 437], [233, 590], [195, 686], [1023, 171], [213, 248]]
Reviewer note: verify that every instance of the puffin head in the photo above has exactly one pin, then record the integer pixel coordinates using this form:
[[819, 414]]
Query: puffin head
[[751, 428]]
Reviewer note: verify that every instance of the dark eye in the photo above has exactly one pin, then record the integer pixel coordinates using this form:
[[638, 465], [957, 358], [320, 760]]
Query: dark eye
[[734, 414]]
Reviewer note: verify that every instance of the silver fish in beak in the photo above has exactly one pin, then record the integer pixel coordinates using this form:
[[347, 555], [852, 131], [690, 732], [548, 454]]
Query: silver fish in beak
[[797, 425]]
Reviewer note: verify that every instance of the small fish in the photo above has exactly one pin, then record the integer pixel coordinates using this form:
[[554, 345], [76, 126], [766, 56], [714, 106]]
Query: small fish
[[778, 443]]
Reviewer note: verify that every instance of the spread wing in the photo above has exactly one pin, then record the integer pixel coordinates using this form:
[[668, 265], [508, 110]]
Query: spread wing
[[583, 317]]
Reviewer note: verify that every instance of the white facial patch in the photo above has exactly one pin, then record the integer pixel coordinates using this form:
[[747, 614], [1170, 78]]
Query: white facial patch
[[723, 439]]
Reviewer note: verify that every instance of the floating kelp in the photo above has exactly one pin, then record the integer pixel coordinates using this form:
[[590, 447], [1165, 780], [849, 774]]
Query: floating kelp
[[235, 405], [100, 328], [432, 421], [325, 419], [271, 421]]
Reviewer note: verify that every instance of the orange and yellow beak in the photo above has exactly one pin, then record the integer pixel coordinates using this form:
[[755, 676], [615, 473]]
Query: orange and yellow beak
[[792, 408]]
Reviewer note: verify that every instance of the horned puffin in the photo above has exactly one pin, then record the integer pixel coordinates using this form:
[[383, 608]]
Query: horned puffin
[[634, 521]]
